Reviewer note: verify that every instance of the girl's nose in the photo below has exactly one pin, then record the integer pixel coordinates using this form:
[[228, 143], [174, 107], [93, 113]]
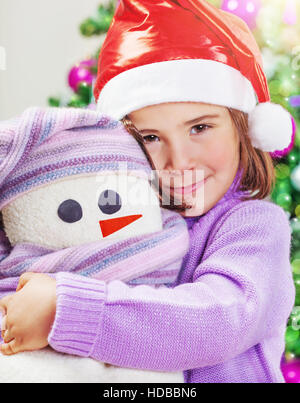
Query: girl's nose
[[180, 157]]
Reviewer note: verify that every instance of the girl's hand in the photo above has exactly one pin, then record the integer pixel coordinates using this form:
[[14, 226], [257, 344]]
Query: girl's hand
[[29, 314]]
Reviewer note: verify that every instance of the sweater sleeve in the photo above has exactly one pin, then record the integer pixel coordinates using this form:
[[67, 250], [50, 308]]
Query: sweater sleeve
[[241, 292]]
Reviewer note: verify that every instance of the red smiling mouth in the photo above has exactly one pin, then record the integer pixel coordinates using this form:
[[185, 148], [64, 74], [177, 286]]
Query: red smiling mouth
[[115, 224]]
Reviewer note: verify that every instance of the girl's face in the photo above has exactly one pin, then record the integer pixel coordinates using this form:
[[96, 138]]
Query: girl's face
[[189, 141]]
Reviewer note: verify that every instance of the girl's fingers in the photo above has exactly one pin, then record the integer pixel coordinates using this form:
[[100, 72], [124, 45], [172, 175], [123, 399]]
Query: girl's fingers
[[3, 303], [7, 337], [3, 326], [10, 348], [24, 278], [5, 333], [3, 323]]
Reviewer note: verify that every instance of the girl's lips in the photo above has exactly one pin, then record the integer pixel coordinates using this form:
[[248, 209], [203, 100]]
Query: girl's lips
[[189, 189]]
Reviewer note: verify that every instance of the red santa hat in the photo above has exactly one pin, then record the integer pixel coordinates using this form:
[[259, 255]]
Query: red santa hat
[[187, 50]]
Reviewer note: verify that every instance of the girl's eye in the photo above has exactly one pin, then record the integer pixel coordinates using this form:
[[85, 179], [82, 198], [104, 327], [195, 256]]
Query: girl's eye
[[151, 138], [205, 127]]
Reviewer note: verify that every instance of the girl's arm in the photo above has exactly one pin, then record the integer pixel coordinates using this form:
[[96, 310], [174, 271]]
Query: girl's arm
[[242, 291], [138, 256]]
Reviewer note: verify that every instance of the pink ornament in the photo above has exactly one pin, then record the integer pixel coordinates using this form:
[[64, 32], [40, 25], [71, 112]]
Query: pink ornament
[[294, 101], [78, 74], [291, 371], [89, 63], [282, 153], [245, 9]]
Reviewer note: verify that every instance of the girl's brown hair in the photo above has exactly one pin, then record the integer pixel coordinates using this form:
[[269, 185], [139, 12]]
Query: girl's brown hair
[[258, 178], [258, 166]]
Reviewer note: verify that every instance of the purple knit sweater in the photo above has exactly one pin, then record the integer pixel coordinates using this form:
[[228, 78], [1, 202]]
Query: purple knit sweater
[[223, 321]]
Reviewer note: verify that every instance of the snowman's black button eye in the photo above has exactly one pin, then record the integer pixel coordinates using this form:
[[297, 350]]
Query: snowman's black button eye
[[109, 202], [70, 211]]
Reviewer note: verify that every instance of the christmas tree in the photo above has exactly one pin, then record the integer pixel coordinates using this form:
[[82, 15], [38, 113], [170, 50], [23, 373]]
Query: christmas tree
[[83, 73], [276, 27]]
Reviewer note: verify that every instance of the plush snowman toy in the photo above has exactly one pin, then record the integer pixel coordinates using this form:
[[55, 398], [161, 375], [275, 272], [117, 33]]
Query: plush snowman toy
[[75, 196]]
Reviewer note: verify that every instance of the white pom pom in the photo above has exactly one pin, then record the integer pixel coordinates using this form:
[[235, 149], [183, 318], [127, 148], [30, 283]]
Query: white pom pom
[[270, 127]]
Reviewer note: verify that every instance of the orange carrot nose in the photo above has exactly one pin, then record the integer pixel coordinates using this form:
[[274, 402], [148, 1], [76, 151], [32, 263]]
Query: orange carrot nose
[[115, 224]]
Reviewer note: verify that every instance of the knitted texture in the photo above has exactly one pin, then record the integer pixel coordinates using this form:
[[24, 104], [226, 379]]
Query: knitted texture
[[47, 144], [223, 321], [153, 258]]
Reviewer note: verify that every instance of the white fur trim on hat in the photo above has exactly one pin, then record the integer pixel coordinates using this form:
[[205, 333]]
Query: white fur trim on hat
[[270, 127], [184, 80]]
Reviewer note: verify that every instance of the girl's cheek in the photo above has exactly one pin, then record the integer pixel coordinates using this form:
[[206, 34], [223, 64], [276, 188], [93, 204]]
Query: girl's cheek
[[215, 155], [158, 155], [152, 151], [221, 157], [221, 151]]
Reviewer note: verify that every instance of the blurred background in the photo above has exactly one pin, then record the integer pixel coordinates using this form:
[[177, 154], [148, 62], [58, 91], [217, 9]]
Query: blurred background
[[48, 56], [41, 41]]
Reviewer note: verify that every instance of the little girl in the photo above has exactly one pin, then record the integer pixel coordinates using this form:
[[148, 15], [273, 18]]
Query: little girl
[[185, 79]]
